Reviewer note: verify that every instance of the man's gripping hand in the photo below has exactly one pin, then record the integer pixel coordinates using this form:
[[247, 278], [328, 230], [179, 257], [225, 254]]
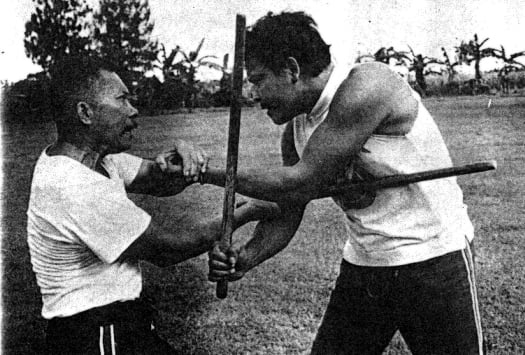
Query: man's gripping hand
[[226, 266], [185, 158]]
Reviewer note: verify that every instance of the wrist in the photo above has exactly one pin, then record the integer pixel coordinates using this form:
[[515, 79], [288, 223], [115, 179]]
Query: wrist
[[244, 263], [203, 178]]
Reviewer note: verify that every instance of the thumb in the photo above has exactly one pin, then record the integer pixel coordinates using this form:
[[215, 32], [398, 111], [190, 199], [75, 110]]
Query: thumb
[[161, 162]]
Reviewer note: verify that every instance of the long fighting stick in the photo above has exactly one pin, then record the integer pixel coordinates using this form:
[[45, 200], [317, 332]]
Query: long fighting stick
[[405, 179], [233, 145]]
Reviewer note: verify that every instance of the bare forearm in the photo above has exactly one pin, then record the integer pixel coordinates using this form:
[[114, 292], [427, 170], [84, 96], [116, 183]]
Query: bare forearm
[[151, 180], [255, 210], [270, 237], [172, 247], [274, 184], [193, 241]]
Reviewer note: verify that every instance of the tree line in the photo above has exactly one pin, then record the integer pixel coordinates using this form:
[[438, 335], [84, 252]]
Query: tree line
[[120, 31]]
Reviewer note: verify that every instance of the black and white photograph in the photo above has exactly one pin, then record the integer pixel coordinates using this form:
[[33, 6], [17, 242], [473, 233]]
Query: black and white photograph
[[318, 177]]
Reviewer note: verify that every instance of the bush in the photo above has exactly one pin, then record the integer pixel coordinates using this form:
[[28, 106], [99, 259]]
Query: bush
[[28, 100]]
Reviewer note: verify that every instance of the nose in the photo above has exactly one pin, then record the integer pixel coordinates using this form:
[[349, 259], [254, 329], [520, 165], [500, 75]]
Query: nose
[[254, 93], [133, 111]]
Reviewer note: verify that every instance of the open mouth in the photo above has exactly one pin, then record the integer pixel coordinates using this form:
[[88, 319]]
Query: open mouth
[[127, 132], [270, 109]]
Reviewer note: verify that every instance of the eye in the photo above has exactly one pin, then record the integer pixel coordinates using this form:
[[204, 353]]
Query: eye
[[124, 98], [257, 78]]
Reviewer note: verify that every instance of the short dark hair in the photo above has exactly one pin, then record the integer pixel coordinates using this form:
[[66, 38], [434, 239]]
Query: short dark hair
[[72, 79], [275, 38]]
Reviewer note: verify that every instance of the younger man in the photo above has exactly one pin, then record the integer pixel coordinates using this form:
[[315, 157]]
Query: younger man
[[407, 263]]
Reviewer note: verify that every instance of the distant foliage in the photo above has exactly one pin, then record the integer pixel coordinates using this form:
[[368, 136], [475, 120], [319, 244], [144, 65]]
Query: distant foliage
[[420, 65], [58, 28], [123, 36], [120, 31], [26, 101], [473, 51]]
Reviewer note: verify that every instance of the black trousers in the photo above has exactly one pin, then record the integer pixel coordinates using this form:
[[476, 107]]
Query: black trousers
[[432, 303], [118, 328]]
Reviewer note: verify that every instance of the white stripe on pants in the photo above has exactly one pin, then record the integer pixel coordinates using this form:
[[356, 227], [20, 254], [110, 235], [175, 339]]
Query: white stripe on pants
[[111, 330], [469, 264]]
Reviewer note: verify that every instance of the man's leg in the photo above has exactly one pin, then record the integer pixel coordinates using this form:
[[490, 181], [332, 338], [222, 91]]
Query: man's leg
[[441, 314], [118, 328], [358, 319], [138, 340]]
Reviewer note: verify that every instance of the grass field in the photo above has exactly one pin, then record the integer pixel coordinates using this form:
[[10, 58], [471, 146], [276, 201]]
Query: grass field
[[277, 308]]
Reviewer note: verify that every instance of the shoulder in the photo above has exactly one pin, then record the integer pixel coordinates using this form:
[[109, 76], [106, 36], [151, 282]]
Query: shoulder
[[373, 88], [122, 159], [372, 80], [124, 165]]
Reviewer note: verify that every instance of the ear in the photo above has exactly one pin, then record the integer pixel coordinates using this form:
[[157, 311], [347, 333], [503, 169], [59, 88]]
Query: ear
[[84, 112], [293, 67]]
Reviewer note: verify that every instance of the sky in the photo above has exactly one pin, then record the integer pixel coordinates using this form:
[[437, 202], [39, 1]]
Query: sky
[[350, 26]]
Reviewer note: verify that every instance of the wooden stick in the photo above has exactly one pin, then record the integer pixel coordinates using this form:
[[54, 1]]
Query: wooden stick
[[405, 179], [233, 145]]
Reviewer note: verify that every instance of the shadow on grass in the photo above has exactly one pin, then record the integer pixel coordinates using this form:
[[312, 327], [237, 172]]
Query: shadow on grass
[[23, 327]]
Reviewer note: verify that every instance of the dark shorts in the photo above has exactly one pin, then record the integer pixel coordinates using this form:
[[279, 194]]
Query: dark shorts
[[118, 328], [432, 303]]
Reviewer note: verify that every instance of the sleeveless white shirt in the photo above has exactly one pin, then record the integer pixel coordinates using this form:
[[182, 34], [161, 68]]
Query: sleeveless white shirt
[[406, 224]]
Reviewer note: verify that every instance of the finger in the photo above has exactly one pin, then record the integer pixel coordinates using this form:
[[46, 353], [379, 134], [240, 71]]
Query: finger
[[217, 254], [195, 168], [160, 160], [241, 203], [186, 163], [200, 158], [199, 162], [204, 166], [174, 168], [220, 273], [234, 277], [217, 278], [219, 265]]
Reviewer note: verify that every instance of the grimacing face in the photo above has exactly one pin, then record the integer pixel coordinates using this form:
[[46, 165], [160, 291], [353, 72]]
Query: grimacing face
[[276, 92], [114, 117]]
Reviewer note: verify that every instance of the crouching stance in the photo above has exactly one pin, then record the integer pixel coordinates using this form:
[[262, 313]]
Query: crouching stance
[[85, 235], [407, 263]]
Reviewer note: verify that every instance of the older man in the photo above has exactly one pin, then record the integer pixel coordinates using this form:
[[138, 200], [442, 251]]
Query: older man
[[85, 235]]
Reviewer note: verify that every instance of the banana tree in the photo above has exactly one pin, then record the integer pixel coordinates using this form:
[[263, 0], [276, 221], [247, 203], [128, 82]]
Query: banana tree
[[186, 68], [509, 64], [385, 55], [450, 66], [419, 64], [472, 51]]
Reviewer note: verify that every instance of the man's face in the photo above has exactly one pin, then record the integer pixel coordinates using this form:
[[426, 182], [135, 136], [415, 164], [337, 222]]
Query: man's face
[[276, 92], [114, 116]]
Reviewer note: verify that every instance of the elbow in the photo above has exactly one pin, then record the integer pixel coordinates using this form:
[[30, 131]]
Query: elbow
[[298, 189], [206, 233]]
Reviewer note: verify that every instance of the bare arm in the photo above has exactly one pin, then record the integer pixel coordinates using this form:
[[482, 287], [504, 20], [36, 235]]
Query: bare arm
[[151, 180], [271, 235], [189, 161], [163, 247], [359, 106]]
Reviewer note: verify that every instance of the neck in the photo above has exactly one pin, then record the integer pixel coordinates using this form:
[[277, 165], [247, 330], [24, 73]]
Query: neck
[[82, 153], [313, 88]]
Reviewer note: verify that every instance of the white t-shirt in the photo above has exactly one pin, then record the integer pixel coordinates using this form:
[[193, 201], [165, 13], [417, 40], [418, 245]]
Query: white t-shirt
[[79, 223]]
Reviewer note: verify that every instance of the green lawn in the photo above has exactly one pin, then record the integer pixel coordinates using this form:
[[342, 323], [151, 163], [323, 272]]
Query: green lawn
[[277, 308]]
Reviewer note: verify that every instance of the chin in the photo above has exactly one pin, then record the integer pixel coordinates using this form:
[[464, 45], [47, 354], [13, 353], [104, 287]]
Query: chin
[[120, 148], [278, 118]]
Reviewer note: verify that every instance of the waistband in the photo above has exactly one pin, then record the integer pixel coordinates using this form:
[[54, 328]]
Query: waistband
[[136, 311]]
